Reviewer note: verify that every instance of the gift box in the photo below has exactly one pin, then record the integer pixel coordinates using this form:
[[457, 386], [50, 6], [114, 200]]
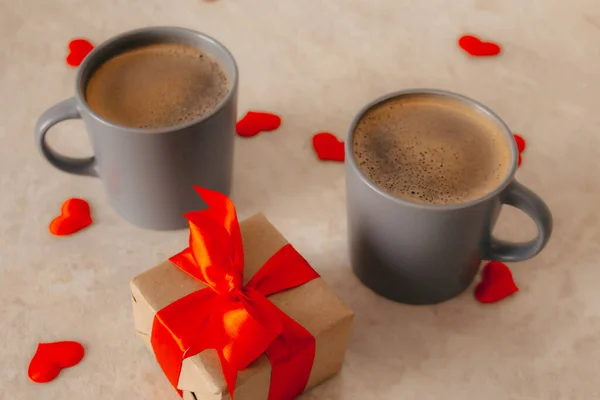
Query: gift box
[[239, 312]]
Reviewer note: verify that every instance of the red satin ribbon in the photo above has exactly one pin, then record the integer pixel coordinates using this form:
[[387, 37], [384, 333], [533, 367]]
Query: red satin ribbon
[[238, 321]]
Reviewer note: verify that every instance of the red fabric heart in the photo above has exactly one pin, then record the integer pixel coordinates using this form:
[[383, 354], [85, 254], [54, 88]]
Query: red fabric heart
[[51, 358], [496, 283], [74, 215], [521, 145], [255, 122], [328, 147], [78, 49], [477, 48]]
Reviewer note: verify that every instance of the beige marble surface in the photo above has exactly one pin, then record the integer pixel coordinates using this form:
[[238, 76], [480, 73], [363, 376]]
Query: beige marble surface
[[316, 64]]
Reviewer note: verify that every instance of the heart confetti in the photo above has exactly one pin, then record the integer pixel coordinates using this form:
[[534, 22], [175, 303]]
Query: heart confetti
[[51, 358], [496, 283], [74, 215], [328, 147], [521, 145], [475, 47], [255, 122], [78, 49]]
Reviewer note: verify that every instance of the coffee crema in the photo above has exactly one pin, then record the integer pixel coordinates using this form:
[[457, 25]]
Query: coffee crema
[[156, 86], [430, 149]]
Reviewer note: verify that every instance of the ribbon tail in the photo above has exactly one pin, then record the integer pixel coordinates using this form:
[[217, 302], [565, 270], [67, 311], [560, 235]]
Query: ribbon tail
[[291, 355], [168, 353], [230, 374], [250, 328], [173, 334]]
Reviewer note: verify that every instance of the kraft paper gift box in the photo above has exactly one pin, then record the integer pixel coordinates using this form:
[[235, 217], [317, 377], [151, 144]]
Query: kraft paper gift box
[[311, 306]]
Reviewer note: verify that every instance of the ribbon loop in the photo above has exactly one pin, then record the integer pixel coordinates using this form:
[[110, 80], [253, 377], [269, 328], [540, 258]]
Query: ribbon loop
[[215, 253]]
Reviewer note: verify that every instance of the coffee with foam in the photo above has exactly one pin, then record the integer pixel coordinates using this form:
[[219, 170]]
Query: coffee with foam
[[156, 86], [430, 149]]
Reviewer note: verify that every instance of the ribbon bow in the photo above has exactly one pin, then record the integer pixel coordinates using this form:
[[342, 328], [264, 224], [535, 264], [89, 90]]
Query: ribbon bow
[[238, 321]]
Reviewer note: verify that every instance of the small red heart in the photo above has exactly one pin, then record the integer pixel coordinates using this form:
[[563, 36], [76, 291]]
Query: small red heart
[[255, 122], [496, 283], [74, 215], [78, 49], [328, 147], [521, 145], [478, 48], [51, 358]]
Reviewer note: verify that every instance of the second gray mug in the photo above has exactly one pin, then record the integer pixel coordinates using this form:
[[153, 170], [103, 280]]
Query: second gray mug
[[148, 174], [424, 254]]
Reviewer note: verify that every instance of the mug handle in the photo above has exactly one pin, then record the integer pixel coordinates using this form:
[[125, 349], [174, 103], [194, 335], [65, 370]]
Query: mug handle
[[62, 111], [520, 197]]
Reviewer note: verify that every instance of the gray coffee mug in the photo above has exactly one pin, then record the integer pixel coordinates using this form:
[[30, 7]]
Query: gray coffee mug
[[148, 174], [424, 254]]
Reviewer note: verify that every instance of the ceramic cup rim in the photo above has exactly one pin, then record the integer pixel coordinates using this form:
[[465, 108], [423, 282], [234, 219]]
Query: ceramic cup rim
[[93, 59], [455, 97]]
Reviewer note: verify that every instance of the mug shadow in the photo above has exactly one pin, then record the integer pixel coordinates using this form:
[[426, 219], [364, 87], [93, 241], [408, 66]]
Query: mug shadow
[[391, 339]]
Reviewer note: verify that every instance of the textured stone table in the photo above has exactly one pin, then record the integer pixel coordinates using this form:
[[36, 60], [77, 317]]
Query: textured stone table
[[316, 66]]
